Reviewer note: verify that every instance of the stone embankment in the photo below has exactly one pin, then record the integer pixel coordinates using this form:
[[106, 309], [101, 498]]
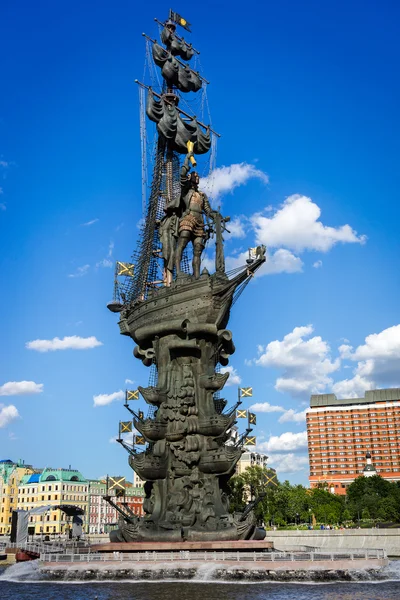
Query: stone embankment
[[340, 539], [234, 565]]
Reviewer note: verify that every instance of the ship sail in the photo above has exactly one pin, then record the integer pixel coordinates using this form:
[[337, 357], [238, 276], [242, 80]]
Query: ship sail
[[182, 77], [178, 132], [175, 46]]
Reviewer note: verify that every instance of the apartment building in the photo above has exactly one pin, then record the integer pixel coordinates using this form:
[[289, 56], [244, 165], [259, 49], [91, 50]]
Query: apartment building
[[53, 487], [342, 431], [103, 517], [11, 473]]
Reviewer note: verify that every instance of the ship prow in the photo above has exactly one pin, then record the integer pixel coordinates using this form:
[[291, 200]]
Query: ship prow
[[205, 300]]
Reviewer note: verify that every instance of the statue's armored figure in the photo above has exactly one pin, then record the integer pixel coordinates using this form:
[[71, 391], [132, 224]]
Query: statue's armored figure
[[194, 205]]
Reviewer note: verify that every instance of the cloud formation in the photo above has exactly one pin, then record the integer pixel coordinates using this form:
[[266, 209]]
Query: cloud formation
[[354, 387], [288, 463], [286, 442], [107, 262], [73, 342], [378, 363], [80, 272], [293, 416], [296, 225], [236, 228], [225, 179], [234, 377], [280, 261], [7, 414], [266, 407], [306, 363], [20, 388], [104, 399], [89, 223]]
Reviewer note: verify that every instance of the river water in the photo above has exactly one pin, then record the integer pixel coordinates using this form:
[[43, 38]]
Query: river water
[[23, 582]]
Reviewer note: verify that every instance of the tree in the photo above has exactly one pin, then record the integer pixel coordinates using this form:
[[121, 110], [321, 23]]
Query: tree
[[365, 514], [236, 494], [346, 516], [380, 497]]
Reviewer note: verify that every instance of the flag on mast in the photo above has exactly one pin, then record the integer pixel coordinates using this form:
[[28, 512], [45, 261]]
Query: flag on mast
[[174, 16], [246, 392]]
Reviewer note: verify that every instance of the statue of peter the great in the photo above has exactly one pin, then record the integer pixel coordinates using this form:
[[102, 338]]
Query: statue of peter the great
[[194, 205]]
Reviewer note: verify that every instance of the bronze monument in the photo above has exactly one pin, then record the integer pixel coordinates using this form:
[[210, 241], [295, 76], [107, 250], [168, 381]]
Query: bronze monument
[[178, 320]]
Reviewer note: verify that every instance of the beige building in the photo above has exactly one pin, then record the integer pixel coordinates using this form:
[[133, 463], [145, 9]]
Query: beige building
[[11, 474], [251, 459], [53, 487]]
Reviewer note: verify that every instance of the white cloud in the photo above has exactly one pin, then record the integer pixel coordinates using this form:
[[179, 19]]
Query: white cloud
[[92, 222], [20, 388], [234, 378], [236, 228], [317, 264], [80, 272], [226, 179], [306, 363], [107, 262], [129, 381], [286, 442], [296, 225], [266, 407], [352, 388], [7, 414], [73, 342], [378, 362], [104, 399], [280, 261], [288, 463], [291, 415]]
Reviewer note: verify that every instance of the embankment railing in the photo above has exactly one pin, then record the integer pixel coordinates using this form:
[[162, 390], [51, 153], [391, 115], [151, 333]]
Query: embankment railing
[[238, 556]]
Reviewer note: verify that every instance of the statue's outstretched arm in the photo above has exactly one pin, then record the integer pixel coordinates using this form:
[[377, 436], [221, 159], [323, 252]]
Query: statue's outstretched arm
[[185, 168]]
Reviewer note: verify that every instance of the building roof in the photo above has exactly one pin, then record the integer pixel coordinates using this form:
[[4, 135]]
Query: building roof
[[371, 396], [49, 474], [369, 468]]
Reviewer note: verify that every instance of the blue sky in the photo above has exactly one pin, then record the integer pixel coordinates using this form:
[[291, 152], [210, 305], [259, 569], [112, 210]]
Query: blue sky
[[306, 98]]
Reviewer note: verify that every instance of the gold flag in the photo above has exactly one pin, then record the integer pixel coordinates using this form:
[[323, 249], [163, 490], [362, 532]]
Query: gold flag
[[116, 483], [126, 426], [174, 16], [124, 268], [252, 418], [139, 440], [131, 395], [141, 414], [250, 440], [120, 493], [241, 414], [246, 392]]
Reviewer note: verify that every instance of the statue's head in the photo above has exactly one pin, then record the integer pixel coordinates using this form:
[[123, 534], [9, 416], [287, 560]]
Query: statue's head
[[194, 179], [170, 25]]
